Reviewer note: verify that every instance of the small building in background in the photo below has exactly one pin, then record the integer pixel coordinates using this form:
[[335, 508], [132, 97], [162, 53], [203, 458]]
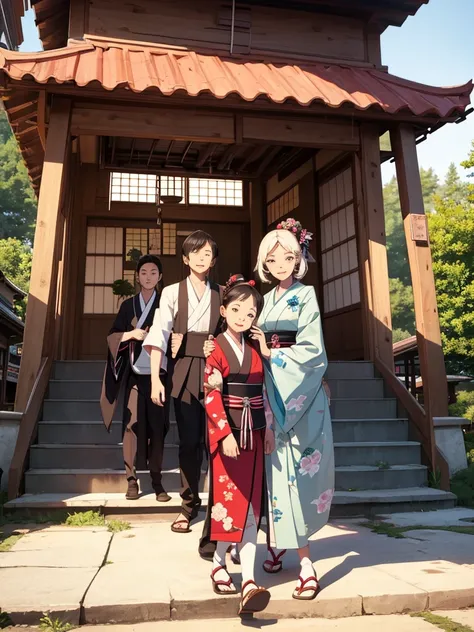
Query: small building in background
[[11, 336]]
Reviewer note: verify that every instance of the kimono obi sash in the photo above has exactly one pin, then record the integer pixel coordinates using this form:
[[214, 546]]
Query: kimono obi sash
[[277, 339], [243, 404], [193, 345]]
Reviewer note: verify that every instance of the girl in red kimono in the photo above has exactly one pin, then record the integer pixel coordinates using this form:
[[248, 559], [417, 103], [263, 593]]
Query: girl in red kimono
[[238, 439]]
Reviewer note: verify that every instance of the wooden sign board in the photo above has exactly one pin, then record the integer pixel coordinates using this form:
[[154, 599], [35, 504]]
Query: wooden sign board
[[419, 227]]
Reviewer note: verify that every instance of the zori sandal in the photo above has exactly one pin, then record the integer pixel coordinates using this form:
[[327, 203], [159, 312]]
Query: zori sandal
[[275, 564], [313, 590], [254, 600], [216, 583], [176, 529]]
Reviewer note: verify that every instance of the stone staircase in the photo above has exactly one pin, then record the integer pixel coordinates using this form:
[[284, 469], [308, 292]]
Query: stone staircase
[[378, 469]]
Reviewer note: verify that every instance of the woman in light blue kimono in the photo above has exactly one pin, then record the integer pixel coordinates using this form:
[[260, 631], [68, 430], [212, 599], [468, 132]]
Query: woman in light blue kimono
[[300, 472]]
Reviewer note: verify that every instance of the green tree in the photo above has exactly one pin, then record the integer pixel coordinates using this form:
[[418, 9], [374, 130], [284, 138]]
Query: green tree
[[454, 188], [452, 241], [401, 300], [17, 199], [15, 263]]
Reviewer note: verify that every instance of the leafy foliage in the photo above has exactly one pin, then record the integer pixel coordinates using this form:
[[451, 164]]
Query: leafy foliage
[[462, 484], [17, 199], [403, 313], [15, 263], [464, 406], [95, 519], [47, 624]]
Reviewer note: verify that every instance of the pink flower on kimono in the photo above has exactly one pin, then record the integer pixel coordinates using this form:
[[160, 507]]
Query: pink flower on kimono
[[223, 478], [296, 403], [219, 512], [208, 369], [209, 399], [227, 523], [222, 423], [323, 503], [228, 496], [310, 464], [231, 486]]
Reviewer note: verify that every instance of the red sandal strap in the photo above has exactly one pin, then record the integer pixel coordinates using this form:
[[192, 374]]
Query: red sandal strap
[[302, 588], [221, 582], [276, 558], [247, 583]]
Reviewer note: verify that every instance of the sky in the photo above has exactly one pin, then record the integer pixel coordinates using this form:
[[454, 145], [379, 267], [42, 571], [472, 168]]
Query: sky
[[433, 47]]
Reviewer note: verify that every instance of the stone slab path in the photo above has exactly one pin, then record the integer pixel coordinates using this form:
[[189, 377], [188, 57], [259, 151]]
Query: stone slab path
[[148, 573]]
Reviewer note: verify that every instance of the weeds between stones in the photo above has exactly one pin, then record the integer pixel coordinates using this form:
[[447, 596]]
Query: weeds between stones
[[391, 531], [47, 624], [95, 519], [444, 623]]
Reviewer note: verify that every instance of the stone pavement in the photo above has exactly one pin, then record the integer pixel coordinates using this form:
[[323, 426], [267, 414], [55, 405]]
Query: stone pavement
[[91, 576]]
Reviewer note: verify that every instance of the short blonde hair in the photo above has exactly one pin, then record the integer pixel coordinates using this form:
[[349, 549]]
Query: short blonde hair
[[287, 241]]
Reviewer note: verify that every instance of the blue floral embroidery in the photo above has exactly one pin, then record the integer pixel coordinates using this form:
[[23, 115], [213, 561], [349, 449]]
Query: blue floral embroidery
[[279, 360], [277, 514], [293, 303]]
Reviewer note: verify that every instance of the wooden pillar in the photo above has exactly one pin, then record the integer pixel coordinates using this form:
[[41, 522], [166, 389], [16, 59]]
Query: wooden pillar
[[257, 218], [42, 284], [375, 268], [433, 371], [3, 393]]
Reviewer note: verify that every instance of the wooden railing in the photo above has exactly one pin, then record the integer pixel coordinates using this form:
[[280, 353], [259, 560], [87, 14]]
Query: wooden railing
[[28, 428], [422, 425]]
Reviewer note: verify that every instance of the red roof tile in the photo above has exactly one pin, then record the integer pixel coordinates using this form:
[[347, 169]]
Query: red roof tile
[[141, 68]]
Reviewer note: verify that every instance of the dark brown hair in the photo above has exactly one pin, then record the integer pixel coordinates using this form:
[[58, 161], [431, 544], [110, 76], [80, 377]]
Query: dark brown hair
[[197, 240]]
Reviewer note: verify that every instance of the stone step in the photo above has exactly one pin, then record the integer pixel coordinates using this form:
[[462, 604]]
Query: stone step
[[346, 430], [359, 477], [89, 409], [74, 389], [366, 503], [75, 410], [378, 454], [368, 388], [78, 370], [363, 408], [347, 370], [340, 388], [89, 432], [98, 480], [89, 457]]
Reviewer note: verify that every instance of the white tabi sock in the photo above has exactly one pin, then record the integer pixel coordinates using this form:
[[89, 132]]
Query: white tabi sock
[[248, 549]]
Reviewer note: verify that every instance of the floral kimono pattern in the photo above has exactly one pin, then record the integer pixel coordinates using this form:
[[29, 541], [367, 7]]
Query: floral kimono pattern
[[235, 484], [300, 472]]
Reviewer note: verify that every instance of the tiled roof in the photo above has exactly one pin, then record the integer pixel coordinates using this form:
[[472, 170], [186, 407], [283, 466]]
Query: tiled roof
[[140, 68]]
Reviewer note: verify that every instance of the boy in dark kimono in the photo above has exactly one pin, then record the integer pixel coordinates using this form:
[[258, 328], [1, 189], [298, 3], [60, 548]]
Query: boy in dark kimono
[[144, 424]]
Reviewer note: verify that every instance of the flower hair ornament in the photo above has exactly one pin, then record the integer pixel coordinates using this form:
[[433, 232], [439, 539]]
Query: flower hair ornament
[[237, 279], [302, 235]]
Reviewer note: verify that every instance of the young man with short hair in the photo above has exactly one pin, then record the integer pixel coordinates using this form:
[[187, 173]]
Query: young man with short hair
[[144, 423], [190, 311]]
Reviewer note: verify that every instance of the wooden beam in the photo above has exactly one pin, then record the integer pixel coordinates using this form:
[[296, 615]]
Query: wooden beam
[[205, 154], [41, 117], [433, 370], [257, 218], [77, 19], [89, 149], [185, 152], [167, 124], [227, 157], [253, 155], [300, 133], [41, 284], [381, 317], [271, 154]]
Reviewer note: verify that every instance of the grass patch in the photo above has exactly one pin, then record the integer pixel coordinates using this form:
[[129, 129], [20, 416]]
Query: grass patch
[[391, 531], [47, 624], [5, 620], [95, 519], [382, 465], [7, 543], [443, 623], [462, 484]]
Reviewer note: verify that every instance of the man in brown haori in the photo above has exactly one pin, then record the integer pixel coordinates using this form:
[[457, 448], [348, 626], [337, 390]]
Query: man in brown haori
[[189, 310]]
